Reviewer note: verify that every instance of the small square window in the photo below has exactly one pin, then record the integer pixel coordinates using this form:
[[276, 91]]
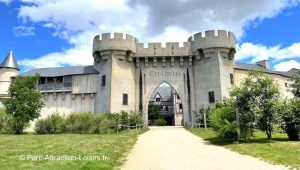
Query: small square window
[[157, 99], [211, 97], [103, 80], [125, 99]]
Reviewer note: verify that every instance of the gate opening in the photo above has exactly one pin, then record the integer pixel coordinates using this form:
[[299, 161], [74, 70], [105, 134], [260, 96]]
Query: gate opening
[[165, 107]]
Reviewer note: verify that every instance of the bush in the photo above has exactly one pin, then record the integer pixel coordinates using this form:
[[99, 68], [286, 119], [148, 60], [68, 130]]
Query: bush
[[53, 124], [6, 122], [160, 122], [135, 118], [81, 123], [223, 122], [86, 123], [290, 115]]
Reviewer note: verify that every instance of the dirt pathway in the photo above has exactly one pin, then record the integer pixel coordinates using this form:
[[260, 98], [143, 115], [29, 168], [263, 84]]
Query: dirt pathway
[[172, 148]]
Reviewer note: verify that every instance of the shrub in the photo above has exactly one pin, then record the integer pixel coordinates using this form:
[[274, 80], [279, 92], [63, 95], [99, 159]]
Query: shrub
[[160, 122], [199, 116], [223, 122], [6, 122], [85, 123], [53, 124], [135, 118], [290, 115], [78, 123]]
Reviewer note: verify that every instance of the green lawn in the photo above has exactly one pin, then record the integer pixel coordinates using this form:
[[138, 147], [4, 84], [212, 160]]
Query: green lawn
[[278, 151], [113, 146]]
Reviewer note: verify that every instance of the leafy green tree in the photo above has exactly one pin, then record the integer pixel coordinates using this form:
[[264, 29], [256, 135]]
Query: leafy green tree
[[267, 98], [290, 111], [25, 102], [256, 99], [290, 116], [296, 85], [153, 112], [244, 102]]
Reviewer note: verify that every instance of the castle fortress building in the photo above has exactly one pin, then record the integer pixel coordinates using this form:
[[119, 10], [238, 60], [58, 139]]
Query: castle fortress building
[[126, 73]]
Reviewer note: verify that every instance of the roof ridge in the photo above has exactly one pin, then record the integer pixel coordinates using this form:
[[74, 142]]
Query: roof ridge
[[60, 67]]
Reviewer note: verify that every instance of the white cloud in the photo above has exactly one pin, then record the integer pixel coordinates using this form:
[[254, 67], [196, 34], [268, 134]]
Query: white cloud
[[23, 31], [257, 52], [78, 21], [80, 55], [286, 66]]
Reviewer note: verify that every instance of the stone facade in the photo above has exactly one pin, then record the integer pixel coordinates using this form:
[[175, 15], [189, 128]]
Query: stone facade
[[125, 74]]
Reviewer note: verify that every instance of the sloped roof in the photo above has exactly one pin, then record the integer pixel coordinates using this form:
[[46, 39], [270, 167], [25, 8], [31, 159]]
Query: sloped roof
[[256, 67], [9, 61], [164, 91], [62, 71]]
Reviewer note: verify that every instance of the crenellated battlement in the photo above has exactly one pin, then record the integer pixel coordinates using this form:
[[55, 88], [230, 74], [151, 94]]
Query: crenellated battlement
[[115, 41], [199, 41], [223, 39], [156, 49]]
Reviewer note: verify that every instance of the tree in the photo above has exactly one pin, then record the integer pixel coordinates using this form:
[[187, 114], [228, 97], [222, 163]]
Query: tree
[[290, 116], [244, 101], [296, 85], [25, 102], [153, 112], [290, 111], [256, 99], [266, 103]]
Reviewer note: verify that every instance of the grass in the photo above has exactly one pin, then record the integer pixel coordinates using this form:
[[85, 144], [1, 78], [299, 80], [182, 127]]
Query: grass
[[113, 146], [277, 151]]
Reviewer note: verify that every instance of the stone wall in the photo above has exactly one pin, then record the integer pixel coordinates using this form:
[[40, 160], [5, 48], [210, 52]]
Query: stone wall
[[65, 103], [5, 79], [122, 82], [103, 64]]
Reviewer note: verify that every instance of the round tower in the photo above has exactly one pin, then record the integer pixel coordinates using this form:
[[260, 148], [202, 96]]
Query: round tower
[[113, 59], [8, 68], [214, 65]]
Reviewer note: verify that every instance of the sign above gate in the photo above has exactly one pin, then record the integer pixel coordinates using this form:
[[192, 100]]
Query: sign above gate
[[164, 73]]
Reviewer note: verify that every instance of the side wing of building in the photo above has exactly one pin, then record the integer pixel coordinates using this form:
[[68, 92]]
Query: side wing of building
[[283, 79], [67, 89]]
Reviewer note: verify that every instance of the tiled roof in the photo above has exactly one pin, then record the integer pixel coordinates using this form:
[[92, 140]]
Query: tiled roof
[[164, 91], [61, 71], [256, 67]]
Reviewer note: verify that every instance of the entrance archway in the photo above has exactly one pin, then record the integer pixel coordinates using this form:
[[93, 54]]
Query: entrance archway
[[165, 106]]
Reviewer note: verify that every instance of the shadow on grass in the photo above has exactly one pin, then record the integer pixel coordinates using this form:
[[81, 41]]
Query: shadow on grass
[[223, 142]]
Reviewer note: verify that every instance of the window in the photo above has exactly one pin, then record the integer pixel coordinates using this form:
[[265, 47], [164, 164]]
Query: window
[[42, 80], [125, 99], [103, 80], [67, 81], [231, 79], [157, 99], [211, 97]]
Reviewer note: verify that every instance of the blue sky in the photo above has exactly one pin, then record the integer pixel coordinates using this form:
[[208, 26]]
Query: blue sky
[[44, 33]]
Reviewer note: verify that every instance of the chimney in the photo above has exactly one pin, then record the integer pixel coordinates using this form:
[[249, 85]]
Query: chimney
[[264, 63]]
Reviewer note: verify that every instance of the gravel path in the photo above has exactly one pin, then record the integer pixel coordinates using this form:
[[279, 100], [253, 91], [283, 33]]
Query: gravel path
[[172, 148]]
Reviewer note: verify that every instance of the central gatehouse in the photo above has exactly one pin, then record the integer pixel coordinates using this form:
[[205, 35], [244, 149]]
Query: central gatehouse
[[199, 71]]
